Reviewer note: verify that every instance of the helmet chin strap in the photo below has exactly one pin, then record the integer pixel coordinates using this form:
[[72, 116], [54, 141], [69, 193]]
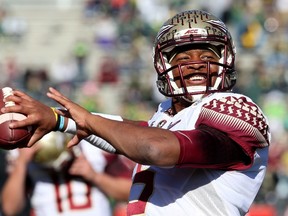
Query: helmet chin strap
[[192, 89], [198, 97], [195, 97]]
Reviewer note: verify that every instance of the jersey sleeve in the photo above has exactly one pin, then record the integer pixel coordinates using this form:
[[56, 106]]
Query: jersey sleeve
[[207, 147], [241, 119]]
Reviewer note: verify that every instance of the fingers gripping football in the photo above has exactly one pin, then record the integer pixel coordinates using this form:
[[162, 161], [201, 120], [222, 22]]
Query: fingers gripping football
[[11, 138], [40, 116]]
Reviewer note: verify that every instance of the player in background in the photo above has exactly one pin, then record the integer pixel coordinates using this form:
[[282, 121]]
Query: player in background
[[64, 182], [205, 150]]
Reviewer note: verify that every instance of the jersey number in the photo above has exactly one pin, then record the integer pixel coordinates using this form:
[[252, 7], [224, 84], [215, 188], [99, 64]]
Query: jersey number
[[72, 204], [146, 178]]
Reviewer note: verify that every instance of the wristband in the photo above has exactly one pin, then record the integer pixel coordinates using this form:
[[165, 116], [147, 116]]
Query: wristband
[[55, 113], [71, 127], [60, 120], [56, 118]]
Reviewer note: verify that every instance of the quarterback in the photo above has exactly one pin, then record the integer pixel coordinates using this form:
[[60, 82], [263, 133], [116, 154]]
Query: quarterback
[[204, 151]]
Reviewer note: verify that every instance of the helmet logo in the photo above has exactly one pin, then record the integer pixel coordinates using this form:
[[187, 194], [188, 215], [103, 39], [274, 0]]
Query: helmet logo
[[164, 30], [192, 31], [218, 24]]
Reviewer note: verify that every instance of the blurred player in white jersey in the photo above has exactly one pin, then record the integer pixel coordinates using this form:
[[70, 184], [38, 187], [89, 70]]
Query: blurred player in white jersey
[[205, 150], [58, 181]]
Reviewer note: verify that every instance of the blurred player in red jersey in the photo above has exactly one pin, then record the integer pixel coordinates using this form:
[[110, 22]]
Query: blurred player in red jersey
[[204, 151], [58, 181]]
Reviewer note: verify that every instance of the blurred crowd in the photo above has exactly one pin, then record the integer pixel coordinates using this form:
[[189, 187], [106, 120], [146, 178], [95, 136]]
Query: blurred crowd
[[124, 82]]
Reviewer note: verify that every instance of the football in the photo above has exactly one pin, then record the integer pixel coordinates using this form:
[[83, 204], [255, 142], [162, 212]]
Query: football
[[11, 138]]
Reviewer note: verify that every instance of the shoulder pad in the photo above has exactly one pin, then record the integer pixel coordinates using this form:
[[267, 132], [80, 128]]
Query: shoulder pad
[[242, 120]]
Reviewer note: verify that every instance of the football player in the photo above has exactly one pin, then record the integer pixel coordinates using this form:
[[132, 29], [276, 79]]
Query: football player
[[205, 150], [54, 180]]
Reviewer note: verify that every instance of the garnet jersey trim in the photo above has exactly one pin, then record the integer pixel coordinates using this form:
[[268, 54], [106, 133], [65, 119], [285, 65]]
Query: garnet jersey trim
[[207, 147], [242, 120]]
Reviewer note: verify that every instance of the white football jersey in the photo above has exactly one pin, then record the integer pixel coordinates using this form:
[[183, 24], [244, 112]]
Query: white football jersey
[[184, 191], [62, 195], [65, 196]]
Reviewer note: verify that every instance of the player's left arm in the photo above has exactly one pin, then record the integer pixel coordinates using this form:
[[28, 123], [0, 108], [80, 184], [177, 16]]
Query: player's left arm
[[70, 127], [145, 145], [42, 118]]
